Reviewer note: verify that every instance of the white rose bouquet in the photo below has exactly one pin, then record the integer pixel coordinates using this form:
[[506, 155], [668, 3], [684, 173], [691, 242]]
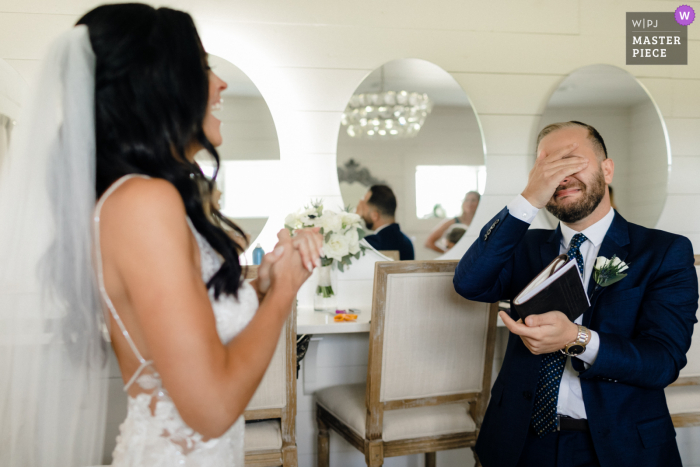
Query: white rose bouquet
[[342, 232]]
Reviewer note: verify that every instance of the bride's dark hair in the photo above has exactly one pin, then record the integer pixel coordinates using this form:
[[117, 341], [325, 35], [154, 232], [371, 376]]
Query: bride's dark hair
[[151, 97]]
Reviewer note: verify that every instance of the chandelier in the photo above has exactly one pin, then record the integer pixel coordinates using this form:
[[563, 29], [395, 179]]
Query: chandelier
[[386, 114]]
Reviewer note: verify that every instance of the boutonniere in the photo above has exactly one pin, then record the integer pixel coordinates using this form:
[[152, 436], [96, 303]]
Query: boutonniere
[[608, 271]]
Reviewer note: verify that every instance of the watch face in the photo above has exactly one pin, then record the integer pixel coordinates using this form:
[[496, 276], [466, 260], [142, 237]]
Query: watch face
[[575, 349]]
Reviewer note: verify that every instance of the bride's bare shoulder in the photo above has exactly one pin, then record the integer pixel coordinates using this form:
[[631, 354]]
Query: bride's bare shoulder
[[138, 196], [142, 208]]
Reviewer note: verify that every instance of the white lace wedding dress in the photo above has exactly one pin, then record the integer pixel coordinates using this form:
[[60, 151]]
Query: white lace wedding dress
[[154, 434]]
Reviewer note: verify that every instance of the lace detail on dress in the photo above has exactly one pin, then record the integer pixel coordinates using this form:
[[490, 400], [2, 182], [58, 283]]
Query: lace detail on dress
[[153, 433]]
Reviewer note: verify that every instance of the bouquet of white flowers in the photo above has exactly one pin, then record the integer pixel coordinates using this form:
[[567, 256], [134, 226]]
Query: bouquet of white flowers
[[342, 232]]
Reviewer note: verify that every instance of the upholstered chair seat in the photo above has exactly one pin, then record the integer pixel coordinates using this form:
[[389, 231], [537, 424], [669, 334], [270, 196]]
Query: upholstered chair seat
[[265, 435], [347, 403]]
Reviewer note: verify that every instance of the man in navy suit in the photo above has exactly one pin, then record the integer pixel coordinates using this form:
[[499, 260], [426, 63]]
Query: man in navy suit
[[603, 403], [378, 209]]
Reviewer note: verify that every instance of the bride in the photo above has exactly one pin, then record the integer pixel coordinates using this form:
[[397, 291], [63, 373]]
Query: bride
[[132, 99]]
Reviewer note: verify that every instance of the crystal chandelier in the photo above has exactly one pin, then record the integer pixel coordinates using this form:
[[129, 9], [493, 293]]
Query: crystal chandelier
[[386, 114]]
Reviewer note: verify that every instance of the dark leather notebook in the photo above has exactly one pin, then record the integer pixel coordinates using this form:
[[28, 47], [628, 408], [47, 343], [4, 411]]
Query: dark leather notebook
[[559, 287]]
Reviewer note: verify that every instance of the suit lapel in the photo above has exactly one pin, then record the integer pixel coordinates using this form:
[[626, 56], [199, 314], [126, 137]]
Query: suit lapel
[[550, 249], [614, 244]]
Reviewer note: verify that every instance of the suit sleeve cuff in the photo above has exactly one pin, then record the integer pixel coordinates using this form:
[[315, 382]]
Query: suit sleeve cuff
[[588, 357], [521, 209]]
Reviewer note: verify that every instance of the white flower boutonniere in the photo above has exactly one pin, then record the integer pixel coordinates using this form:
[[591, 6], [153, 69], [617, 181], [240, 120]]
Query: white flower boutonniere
[[608, 271]]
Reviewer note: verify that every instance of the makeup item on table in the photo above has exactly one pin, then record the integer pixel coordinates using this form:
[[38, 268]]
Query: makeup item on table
[[258, 254], [344, 317]]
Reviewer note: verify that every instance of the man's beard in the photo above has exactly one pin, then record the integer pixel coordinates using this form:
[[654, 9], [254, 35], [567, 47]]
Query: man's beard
[[591, 197], [368, 223]]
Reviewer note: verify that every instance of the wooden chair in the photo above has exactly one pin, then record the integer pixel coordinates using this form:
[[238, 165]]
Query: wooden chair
[[270, 431], [393, 254], [429, 371], [683, 396]]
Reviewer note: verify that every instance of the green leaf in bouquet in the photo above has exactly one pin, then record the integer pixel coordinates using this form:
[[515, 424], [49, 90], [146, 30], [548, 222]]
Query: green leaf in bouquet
[[610, 281], [327, 237], [340, 267], [361, 233]]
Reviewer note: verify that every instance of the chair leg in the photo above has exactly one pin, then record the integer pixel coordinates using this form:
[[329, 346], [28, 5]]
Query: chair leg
[[289, 456], [323, 448], [374, 453], [430, 459], [477, 463]]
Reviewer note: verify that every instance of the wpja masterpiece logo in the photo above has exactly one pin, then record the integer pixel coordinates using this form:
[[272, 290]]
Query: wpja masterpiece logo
[[659, 38]]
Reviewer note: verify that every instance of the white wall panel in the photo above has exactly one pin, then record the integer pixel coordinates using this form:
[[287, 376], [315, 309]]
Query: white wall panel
[[322, 89], [508, 94], [686, 98], [684, 134], [307, 57], [509, 134], [683, 179], [26, 36]]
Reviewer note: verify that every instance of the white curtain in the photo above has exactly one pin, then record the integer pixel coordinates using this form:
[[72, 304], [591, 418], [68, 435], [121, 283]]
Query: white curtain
[[5, 130]]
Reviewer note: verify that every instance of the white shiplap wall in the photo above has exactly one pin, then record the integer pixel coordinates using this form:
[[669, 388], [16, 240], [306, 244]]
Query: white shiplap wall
[[308, 56]]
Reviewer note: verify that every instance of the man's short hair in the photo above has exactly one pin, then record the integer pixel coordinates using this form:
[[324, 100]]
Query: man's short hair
[[383, 199], [456, 234], [593, 135]]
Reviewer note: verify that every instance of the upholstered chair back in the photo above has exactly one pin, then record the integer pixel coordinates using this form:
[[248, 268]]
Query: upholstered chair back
[[270, 434], [428, 345], [272, 392]]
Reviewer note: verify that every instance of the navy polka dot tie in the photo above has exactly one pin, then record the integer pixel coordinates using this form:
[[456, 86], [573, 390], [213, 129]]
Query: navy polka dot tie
[[544, 415]]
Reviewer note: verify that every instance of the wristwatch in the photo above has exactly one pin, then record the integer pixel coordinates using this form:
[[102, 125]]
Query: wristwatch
[[578, 346]]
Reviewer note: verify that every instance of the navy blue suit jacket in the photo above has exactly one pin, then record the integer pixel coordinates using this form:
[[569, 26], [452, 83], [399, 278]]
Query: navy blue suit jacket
[[645, 323], [391, 238]]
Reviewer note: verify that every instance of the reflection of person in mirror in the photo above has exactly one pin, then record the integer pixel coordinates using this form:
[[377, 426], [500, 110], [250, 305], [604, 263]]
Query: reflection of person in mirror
[[437, 240], [593, 389], [453, 236], [378, 209]]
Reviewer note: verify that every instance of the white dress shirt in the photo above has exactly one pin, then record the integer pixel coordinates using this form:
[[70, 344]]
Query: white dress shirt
[[570, 400]]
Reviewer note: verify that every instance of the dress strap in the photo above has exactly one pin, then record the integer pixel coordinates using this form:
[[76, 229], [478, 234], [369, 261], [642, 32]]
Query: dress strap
[[100, 278]]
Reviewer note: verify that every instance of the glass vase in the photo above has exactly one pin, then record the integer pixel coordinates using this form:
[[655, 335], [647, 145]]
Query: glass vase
[[327, 283]]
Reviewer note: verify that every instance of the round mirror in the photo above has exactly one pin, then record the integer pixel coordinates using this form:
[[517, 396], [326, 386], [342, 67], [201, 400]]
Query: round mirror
[[615, 103], [411, 127], [250, 147]]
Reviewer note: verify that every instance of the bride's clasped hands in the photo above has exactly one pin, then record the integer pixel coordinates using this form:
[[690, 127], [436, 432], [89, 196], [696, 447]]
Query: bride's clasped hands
[[304, 252]]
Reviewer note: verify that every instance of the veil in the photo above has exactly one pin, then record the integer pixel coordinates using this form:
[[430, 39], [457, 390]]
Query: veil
[[53, 377]]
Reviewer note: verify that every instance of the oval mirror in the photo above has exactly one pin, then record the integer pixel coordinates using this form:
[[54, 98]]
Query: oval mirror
[[410, 126], [615, 103], [250, 146]]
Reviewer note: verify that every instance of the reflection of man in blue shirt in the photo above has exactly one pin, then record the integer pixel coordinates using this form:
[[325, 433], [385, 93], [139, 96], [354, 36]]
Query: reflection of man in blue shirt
[[378, 208]]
